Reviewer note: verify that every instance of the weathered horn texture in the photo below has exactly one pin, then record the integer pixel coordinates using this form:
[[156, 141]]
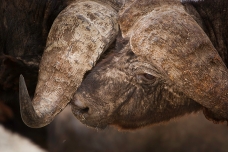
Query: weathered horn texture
[[78, 36], [171, 40]]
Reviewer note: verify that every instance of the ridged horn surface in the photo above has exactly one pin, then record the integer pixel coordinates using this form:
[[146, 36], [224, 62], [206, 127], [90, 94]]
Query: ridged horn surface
[[78, 36], [173, 42]]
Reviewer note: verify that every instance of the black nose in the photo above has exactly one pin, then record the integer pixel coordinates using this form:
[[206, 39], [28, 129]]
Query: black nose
[[79, 106]]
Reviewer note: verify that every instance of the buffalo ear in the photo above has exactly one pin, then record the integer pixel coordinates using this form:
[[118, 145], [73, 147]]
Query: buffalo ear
[[170, 39]]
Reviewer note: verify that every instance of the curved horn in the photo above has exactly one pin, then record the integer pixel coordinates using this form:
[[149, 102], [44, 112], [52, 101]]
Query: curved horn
[[175, 43], [78, 36]]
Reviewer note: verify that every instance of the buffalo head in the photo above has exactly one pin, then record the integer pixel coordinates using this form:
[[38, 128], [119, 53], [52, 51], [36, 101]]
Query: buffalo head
[[168, 68]]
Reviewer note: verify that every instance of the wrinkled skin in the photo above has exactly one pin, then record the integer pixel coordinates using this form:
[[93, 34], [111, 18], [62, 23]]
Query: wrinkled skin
[[126, 91]]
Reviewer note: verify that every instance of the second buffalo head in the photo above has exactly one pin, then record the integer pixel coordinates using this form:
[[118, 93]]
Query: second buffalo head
[[167, 68]]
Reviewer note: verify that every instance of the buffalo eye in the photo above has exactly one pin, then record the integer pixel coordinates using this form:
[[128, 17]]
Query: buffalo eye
[[146, 78]]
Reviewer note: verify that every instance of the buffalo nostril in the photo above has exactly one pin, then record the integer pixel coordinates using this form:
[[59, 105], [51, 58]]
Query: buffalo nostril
[[85, 110]]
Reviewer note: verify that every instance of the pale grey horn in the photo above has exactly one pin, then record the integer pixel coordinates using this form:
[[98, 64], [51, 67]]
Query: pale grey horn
[[78, 36]]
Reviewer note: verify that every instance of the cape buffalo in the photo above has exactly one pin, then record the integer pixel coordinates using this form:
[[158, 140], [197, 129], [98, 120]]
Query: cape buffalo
[[159, 59]]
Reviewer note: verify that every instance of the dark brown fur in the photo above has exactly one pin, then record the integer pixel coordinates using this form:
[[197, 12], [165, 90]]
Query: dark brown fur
[[24, 26], [214, 15]]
